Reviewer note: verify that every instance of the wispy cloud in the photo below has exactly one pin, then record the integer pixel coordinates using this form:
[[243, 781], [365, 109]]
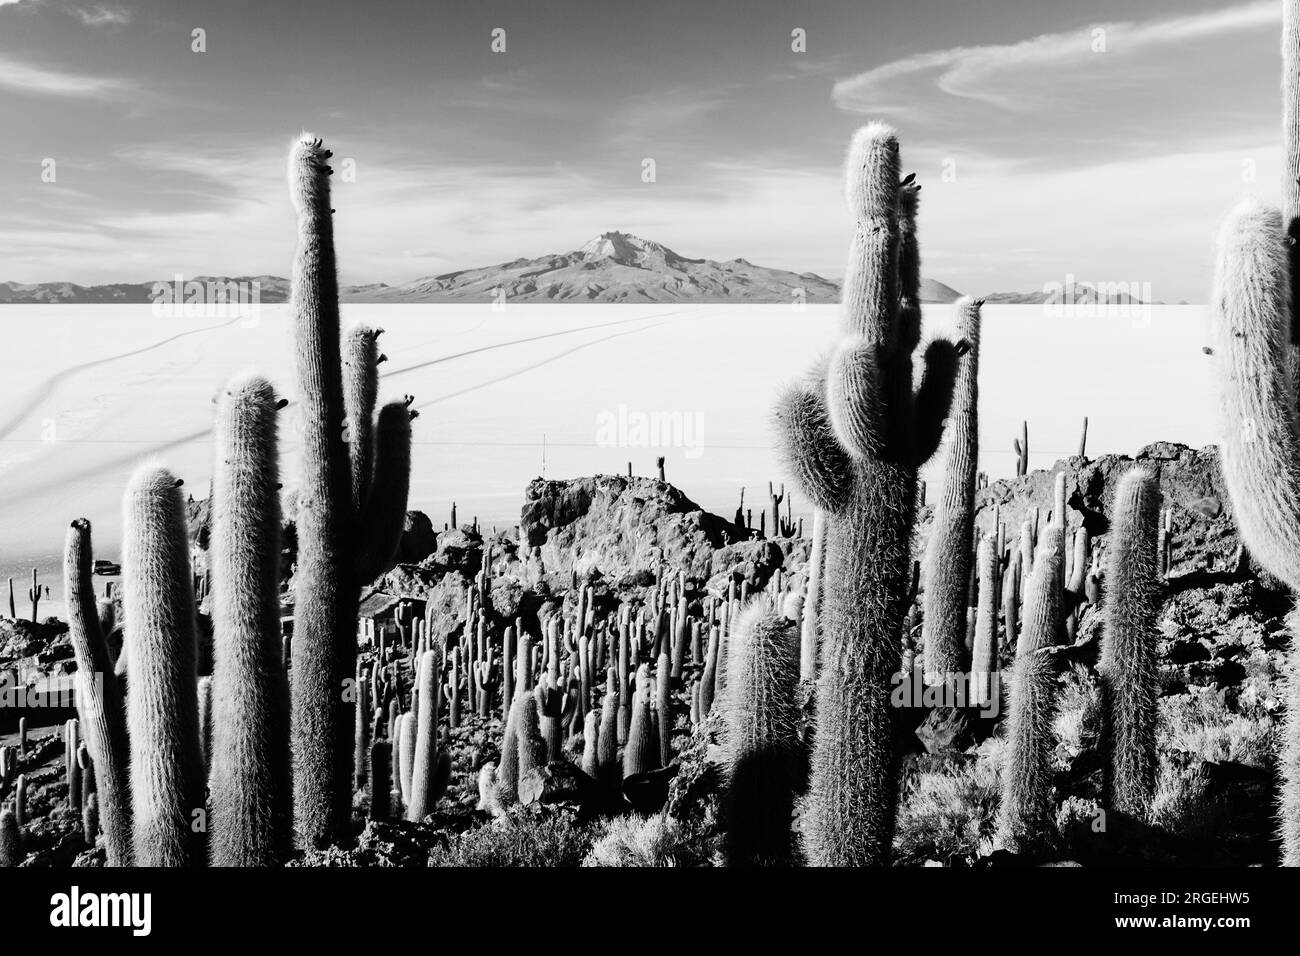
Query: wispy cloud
[[102, 15], [23, 78], [651, 118], [996, 74]]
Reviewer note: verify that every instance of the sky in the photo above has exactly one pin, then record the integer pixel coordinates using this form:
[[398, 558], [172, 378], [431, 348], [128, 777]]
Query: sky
[[1096, 139]]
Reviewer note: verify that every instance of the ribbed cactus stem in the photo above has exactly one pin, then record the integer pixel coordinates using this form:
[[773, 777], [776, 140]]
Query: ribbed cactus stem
[[641, 755], [664, 708], [251, 789], [609, 771], [507, 775], [406, 754], [384, 515], [528, 733], [324, 616], [11, 852], [1251, 334], [762, 739], [166, 767], [812, 601], [98, 696], [590, 743], [946, 569], [853, 433], [1026, 814], [424, 771], [360, 355], [984, 654], [380, 783], [1128, 666], [1041, 618]]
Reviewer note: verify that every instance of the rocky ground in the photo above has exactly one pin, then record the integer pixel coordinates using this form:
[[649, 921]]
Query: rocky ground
[[1221, 647]]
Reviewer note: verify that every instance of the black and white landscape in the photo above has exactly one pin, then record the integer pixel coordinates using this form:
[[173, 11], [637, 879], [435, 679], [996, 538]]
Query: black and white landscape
[[836, 434]]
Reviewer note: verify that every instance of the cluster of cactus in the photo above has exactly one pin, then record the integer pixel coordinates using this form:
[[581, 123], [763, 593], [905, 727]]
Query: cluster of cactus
[[351, 504], [185, 773]]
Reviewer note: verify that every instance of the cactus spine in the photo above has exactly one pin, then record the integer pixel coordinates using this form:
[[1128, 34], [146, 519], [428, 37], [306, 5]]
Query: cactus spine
[[947, 567], [1128, 654], [1025, 817], [250, 786], [762, 739], [342, 542], [854, 434], [98, 696], [167, 785]]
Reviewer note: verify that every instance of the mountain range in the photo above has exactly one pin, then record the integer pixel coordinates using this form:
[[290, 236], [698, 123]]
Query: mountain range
[[613, 267]]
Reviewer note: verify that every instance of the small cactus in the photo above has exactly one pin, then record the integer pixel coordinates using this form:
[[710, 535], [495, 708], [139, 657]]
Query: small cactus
[[762, 738], [641, 755], [11, 853], [1027, 811], [1128, 666]]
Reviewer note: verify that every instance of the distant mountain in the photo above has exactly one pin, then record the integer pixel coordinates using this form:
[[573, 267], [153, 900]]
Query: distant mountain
[[613, 267]]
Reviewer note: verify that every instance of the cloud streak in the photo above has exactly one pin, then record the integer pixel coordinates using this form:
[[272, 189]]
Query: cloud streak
[[994, 74], [22, 78]]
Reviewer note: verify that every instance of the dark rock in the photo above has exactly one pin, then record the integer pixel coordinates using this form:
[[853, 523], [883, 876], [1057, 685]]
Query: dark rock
[[945, 730], [558, 782], [418, 539], [648, 792]]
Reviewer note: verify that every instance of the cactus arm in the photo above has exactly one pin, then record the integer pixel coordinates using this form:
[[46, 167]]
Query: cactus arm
[[853, 399], [360, 386], [806, 440], [934, 396], [98, 698], [385, 513], [909, 267]]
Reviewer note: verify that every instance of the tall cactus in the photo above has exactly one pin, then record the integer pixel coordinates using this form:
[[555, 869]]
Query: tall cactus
[[250, 786], [348, 521], [947, 566], [11, 841], [1259, 449], [762, 739], [854, 433], [1025, 816], [1128, 667], [98, 697], [167, 785]]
